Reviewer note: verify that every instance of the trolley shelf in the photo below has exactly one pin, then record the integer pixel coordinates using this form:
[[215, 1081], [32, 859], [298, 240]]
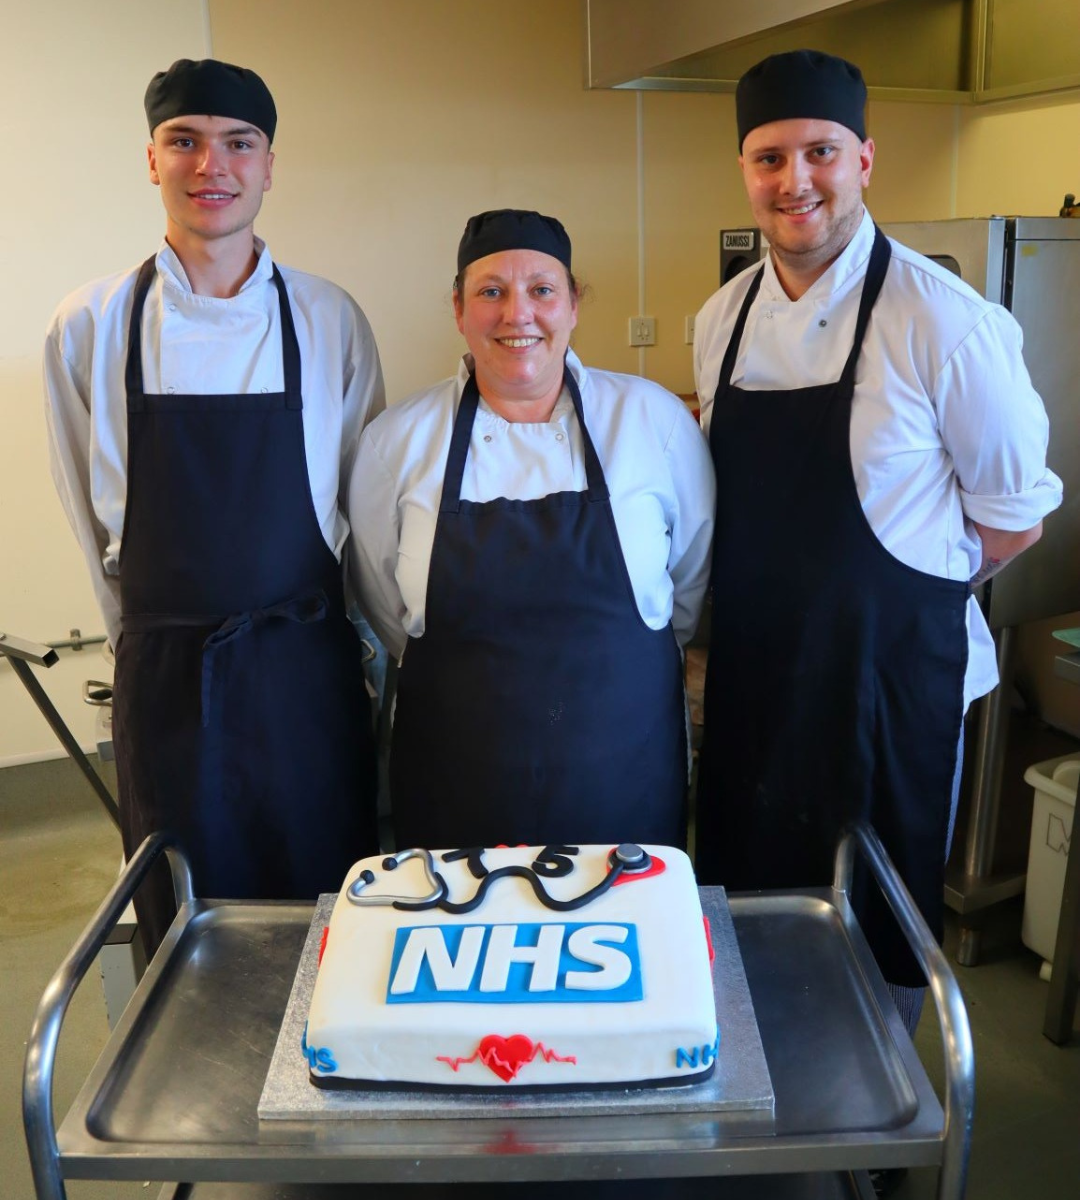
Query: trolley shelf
[[174, 1095]]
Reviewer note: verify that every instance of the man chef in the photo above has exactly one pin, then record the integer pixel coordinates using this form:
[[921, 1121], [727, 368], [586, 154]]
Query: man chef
[[879, 449], [203, 413]]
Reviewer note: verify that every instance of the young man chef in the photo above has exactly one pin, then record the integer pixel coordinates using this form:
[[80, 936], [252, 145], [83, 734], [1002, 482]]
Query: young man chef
[[203, 412], [879, 449]]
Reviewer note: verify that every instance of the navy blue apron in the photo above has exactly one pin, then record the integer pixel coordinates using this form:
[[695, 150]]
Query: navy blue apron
[[537, 706], [241, 719], [834, 687]]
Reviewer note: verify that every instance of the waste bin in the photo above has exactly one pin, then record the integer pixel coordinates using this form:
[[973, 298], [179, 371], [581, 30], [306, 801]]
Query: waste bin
[[1055, 783]]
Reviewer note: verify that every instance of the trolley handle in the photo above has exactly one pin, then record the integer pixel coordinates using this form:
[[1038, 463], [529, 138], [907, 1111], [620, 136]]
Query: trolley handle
[[38, 1117], [952, 1015]]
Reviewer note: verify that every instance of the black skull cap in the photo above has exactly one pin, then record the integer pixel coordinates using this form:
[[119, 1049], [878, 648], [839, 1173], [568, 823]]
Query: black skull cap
[[801, 84], [210, 88], [512, 229]]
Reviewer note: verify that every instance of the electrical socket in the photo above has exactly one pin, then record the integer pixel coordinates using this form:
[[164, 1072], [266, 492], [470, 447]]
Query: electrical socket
[[642, 331], [690, 330]]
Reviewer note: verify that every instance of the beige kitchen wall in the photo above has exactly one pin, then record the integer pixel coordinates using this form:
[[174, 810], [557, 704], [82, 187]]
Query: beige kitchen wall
[[76, 204], [398, 119], [1020, 158]]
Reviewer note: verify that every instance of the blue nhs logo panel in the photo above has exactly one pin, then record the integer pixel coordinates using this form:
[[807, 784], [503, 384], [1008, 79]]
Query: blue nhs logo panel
[[548, 963]]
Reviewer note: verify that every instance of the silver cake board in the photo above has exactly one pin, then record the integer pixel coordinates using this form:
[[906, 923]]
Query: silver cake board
[[739, 1092]]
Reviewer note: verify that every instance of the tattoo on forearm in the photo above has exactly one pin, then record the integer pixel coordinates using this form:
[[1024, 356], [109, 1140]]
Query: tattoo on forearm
[[990, 567]]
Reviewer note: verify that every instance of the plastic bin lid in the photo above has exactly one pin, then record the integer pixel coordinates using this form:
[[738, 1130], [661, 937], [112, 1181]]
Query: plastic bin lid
[[1068, 774], [1056, 778]]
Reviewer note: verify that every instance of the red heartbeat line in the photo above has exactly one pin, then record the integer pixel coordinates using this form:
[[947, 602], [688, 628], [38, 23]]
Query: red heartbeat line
[[490, 1056]]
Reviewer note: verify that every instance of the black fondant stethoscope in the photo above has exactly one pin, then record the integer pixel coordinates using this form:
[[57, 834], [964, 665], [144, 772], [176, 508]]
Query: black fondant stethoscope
[[553, 861]]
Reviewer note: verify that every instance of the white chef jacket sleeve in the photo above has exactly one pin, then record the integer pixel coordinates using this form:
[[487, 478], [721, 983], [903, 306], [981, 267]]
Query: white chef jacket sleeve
[[364, 394], [375, 525], [693, 513], [995, 428], [67, 418], [363, 398]]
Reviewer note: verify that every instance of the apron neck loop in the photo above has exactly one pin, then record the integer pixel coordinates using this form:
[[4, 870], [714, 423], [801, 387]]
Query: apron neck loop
[[133, 372], [872, 283], [463, 425]]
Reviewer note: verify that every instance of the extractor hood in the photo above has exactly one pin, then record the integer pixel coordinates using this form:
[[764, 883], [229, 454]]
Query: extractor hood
[[955, 51]]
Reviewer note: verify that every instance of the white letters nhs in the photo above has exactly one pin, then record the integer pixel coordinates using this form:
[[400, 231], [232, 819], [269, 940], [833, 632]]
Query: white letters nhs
[[515, 964]]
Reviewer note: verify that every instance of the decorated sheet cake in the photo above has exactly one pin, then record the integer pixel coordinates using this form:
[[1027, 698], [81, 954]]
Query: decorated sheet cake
[[515, 968]]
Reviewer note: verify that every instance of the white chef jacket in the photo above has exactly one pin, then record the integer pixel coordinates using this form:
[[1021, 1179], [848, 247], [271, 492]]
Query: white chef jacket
[[655, 460], [199, 345], [946, 427]]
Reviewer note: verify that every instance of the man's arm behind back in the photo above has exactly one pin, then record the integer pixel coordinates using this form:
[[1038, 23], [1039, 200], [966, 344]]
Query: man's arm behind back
[[1000, 547]]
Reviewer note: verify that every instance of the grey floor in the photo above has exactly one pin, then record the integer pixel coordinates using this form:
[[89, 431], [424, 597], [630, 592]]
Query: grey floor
[[59, 854]]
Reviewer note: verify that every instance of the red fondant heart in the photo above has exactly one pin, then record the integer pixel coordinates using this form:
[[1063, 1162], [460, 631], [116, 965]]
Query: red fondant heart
[[506, 1055]]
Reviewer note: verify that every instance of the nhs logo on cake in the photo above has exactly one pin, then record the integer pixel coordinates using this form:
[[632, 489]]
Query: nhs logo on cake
[[549, 963]]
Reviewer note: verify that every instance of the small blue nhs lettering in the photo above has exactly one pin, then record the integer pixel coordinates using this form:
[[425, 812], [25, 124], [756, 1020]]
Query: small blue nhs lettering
[[515, 964], [698, 1056], [319, 1058]]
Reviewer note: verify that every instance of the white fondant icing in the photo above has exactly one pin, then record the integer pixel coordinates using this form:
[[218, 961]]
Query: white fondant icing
[[520, 974]]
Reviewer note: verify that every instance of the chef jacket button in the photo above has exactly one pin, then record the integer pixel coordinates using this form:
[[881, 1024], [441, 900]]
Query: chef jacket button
[[558, 437], [264, 390], [172, 308], [170, 390], [487, 437], [823, 322]]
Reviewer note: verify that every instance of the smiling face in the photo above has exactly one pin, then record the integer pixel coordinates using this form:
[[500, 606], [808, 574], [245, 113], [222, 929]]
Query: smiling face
[[805, 180], [213, 172], [516, 310]]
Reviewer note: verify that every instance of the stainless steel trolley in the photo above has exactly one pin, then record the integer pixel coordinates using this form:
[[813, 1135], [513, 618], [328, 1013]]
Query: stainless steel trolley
[[175, 1092]]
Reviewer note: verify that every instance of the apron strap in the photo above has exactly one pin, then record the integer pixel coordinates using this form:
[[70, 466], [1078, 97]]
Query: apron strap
[[597, 489], [133, 372], [876, 270], [290, 347], [459, 446], [732, 351], [594, 472]]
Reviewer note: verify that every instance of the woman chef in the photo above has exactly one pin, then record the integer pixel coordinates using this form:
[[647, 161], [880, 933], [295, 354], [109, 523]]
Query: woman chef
[[532, 539]]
